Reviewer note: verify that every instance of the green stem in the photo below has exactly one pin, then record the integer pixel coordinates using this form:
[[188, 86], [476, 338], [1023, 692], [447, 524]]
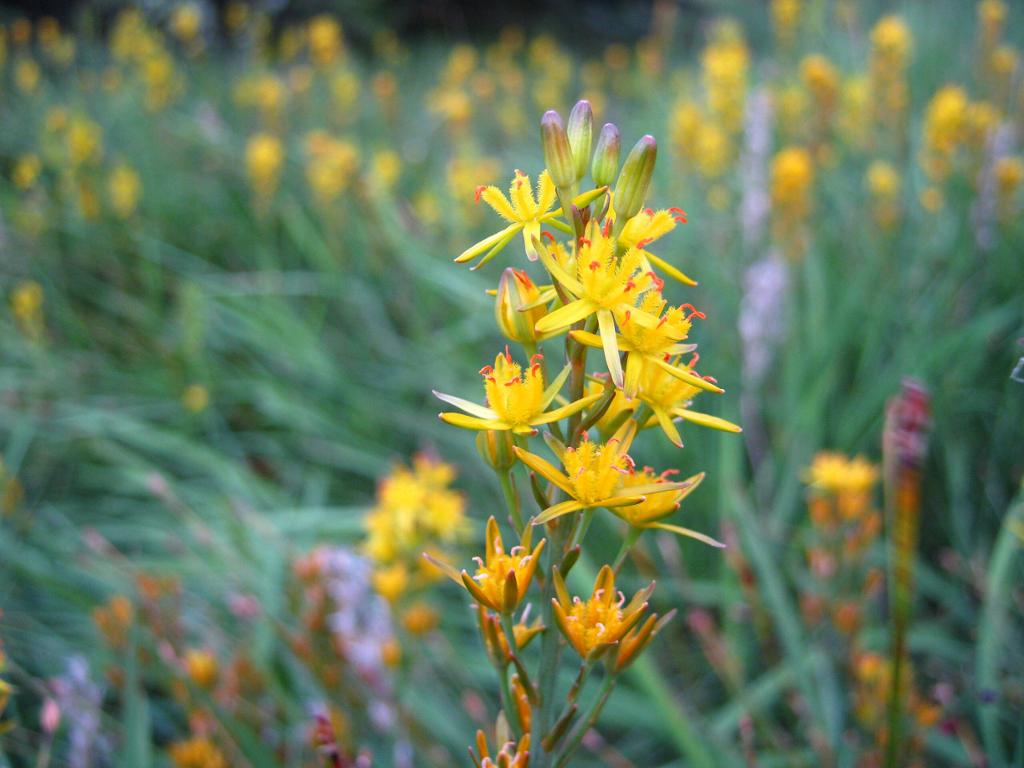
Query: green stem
[[550, 650], [627, 544], [587, 722], [511, 494], [511, 708]]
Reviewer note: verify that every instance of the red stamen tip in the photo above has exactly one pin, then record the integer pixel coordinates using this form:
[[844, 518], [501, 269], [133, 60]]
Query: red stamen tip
[[479, 192]]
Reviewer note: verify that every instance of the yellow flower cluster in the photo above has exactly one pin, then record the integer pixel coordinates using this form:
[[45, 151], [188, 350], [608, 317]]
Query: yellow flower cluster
[[197, 752], [845, 524], [595, 285], [416, 511]]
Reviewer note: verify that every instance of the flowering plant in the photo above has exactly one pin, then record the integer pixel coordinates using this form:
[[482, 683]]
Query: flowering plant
[[595, 286]]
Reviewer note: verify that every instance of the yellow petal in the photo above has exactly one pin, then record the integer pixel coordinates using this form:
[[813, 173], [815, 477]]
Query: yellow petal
[[565, 316], [567, 410], [466, 405], [606, 324], [544, 469], [494, 198], [563, 508], [684, 374], [706, 420], [687, 532], [471, 422]]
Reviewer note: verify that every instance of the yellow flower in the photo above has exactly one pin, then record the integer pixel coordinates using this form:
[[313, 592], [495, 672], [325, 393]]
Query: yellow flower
[[946, 120], [264, 156], [644, 342], [594, 476], [416, 509], [391, 582], [502, 578], [26, 75], [27, 308], [594, 626], [185, 22], [26, 171], [1009, 173], [669, 388], [201, 667], [604, 282], [648, 226], [124, 188], [792, 176], [195, 398], [331, 166], [387, 167], [525, 212], [516, 399], [655, 507], [325, 40], [882, 180], [419, 618], [197, 752], [890, 41], [84, 141], [822, 80], [785, 17], [835, 473]]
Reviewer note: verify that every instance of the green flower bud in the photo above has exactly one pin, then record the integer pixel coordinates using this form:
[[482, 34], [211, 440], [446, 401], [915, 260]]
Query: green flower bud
[[606, 156], [514, 290], [581, 135], [495, 448], [635, 178], [557, 154]]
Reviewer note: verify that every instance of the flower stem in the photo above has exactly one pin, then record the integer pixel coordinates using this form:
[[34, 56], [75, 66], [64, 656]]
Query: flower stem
[[550, 650], [587, 722], [511, 494]]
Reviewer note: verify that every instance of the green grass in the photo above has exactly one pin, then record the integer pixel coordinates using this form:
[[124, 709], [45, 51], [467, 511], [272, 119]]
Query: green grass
[[319, 334]]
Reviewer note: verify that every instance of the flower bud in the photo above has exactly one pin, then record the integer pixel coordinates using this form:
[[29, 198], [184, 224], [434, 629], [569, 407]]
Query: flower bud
[[635, 178], [495, 447], [557, 154], [581, 135], [606, 156], [514, 290]]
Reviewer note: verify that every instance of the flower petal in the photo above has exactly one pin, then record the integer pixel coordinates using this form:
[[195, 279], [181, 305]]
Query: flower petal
[[471, 422], [495, 198], [562, 508], [555, 386], [668, 269], [567, 410], [606, 324], [565, 316], [684, 374], [488, 242], [706, 420], [544, 469], [688, 533], [668, 427], [466, 405]]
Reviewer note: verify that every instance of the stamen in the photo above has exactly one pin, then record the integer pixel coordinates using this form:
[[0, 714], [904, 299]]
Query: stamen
[[594, 265], [641, 244], [680, 215], [479, 192], [548, 235]]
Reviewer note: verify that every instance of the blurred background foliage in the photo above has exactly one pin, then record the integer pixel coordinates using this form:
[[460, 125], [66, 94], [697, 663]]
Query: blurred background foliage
[[225, 251]]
